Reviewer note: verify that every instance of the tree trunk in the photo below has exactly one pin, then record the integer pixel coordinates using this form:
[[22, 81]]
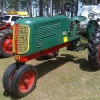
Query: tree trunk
[[29, 7], [95, 1], [41, 7], [2, 8], [63, 12], [47, 7]]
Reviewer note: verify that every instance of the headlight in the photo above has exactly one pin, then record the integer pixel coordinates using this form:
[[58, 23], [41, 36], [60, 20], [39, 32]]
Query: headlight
[[91, 15]]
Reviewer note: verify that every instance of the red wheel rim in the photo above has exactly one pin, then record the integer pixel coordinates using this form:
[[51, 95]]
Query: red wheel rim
[[27, 81], [7, 45], [99, 52]]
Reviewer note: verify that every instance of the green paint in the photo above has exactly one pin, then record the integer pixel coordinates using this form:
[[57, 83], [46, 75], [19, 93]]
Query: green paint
[[90, 28], [47, 32]]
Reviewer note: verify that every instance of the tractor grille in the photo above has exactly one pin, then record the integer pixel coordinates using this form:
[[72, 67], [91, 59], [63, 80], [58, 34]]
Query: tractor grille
[[21, 38]]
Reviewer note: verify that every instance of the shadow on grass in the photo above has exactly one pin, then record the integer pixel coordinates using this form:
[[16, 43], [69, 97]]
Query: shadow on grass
[[1, 57], [10, 96], [49, 65], [84, 64]]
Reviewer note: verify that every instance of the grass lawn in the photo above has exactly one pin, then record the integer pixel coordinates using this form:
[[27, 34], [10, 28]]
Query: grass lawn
[[67, 77]]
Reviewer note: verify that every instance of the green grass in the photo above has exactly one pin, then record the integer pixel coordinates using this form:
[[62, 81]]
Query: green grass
[[67, 77]]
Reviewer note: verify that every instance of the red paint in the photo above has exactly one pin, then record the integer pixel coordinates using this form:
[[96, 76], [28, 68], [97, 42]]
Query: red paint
[[30, 57], [7, 45], [5, 26], [16, 38], [26, 82]]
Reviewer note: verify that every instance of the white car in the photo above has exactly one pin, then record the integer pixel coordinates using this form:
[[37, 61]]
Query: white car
[[89, 11], [11, 18]]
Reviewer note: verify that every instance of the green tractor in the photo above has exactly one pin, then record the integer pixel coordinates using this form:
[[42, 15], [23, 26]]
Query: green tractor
[[35, 37]]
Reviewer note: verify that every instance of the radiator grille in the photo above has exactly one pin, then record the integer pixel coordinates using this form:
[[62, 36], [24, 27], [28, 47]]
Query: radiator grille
[[21, 36]]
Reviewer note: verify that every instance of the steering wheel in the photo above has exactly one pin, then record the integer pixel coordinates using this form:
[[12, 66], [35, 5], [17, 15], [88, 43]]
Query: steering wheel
[[70, 7]]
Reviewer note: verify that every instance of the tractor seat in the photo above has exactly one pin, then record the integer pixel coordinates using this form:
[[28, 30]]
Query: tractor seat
[[78, 18]]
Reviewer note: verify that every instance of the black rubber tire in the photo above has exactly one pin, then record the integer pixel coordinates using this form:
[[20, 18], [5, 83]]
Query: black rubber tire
[[93, 52], [3, 34], [9, 72], [15, 85]]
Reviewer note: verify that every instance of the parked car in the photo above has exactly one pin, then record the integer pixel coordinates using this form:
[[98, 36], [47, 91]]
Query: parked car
[[11, 18], [89, 11]]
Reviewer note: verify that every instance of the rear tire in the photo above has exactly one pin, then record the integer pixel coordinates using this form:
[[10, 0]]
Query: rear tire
[[6, 43], [24, 81], [94, 50]]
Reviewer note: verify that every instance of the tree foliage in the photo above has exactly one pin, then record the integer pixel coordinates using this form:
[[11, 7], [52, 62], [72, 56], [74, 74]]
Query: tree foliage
[[43, 5], [13, 4]]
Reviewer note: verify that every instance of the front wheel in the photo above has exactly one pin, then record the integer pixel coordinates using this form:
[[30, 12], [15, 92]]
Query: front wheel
[[8, 76], [94, 50], [24, 81]]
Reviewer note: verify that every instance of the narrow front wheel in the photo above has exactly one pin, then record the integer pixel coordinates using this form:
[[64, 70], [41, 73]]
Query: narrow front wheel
[[8, 76], [24, 80]]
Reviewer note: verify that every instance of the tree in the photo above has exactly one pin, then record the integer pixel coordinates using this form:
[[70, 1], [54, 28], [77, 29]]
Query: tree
[[13, 4], [41, 7], [2, 8], [63, 12], [28, 7]]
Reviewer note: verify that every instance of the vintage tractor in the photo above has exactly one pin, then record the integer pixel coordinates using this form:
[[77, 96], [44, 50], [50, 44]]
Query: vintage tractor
[[5, 39], [35, 37]]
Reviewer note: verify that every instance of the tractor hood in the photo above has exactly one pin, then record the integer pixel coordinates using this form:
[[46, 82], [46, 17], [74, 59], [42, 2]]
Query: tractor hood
[[31, 21], [32, 35]]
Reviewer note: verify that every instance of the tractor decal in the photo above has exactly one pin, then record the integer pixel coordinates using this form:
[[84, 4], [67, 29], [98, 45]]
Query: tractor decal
[[17, 57], [65, 39]]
